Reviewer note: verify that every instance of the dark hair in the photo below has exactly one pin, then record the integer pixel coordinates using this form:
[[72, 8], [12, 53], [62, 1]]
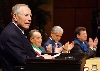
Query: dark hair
[[78, 30]]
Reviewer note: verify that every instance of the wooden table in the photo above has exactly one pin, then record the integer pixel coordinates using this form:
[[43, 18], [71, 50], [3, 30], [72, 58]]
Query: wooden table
[[64, 62]]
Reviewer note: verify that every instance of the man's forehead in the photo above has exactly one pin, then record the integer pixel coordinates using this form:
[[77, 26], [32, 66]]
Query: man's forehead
[[82, 32], [25, 9], [59, 32], [36, 33]]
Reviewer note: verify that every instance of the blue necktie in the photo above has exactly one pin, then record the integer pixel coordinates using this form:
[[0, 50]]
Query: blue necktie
[[84, 47]]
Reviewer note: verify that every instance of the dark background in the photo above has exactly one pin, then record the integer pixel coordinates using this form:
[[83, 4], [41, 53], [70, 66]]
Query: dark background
[[68, 14]]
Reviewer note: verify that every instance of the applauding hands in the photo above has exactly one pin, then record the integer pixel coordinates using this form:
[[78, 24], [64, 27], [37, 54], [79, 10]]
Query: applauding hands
[[67, 47], [93, 44]]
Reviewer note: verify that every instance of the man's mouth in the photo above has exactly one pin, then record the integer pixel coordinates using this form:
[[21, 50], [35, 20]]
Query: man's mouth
[[27, 23]]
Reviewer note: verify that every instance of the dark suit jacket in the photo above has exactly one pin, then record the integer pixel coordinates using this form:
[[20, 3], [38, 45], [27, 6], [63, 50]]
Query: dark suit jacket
[[49, 41], [43, 49], [78, 49], [14, 48]]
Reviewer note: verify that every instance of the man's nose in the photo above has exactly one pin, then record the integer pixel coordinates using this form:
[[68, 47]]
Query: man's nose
[[29, 19], [59, 37]]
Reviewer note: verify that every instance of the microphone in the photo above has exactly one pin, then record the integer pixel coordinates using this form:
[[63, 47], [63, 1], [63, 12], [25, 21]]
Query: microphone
[[41, 31]]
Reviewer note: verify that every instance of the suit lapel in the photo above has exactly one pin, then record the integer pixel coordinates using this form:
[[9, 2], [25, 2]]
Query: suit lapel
[[22, 35], [52, 42]]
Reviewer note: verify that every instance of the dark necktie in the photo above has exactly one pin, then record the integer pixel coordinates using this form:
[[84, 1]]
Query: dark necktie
[[25, 35]]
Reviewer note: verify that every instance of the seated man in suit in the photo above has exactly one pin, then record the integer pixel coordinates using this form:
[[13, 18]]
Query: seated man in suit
[[81, 45], [53, 41], [36, 40]]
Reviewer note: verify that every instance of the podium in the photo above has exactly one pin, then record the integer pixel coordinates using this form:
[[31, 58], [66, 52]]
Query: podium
[[64, 62]]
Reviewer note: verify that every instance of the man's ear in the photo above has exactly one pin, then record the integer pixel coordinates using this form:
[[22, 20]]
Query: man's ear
[[31, 39], [15, 17], [51, 34], [78, 35]]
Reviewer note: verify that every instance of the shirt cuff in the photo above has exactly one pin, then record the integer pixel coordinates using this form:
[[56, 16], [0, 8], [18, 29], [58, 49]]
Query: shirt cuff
[[93, 48]]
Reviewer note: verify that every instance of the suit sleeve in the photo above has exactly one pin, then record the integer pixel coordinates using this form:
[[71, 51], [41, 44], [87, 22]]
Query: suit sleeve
[[43, 49], [46, 44], [16, 49], [78, 49]]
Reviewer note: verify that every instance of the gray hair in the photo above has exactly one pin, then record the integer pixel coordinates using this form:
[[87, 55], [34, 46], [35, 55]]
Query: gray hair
[[16, 8], [56, 28], [31, 33]]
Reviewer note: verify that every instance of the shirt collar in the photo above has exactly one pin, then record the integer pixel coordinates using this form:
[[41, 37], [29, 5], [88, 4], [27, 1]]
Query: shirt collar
[[18, 27], [53, 40]]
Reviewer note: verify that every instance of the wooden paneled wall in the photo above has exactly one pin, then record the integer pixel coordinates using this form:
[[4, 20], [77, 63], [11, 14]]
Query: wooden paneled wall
[[70, 14], [5, 9]]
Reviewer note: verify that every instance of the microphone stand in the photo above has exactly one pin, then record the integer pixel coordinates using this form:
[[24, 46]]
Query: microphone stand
[[42, 31]]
